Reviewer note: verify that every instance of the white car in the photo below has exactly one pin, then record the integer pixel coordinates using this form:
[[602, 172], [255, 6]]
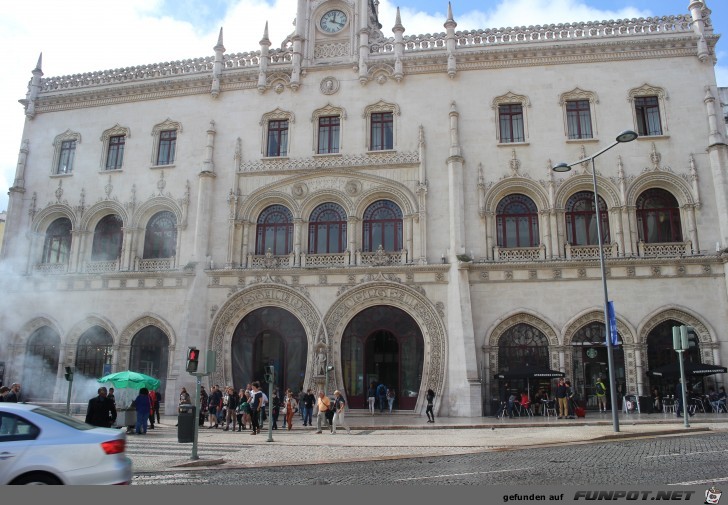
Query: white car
[[39, 446]]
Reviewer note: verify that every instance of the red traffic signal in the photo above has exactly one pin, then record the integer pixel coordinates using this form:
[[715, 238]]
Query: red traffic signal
[[193, 357]]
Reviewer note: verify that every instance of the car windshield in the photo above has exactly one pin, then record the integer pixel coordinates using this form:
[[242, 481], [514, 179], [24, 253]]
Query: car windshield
[[62, 418]]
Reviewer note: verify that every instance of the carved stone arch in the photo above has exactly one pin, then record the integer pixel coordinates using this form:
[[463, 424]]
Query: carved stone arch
[[277, 81], [277, 113], [510, 97], [578, 94], [607, 191], [79, 328], [265, 197], [126, 336], [538, 321], [100, 210], [45, 217], [381, 106], [156, 204], [706, 334], [324, 196], [513, 185], [20, 337], [265, 294], [624, 329], [671, 183], [380, 73], [401, 197], [418, 306]]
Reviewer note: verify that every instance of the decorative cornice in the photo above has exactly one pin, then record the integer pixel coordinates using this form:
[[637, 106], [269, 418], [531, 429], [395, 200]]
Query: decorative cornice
[[375, 160]]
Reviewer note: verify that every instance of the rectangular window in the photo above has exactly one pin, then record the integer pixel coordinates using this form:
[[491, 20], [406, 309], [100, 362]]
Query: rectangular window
[[647, 110], [382, 131], [65, 160], [511, 123], [115, 156], [328, 135], [578, 119], [277, 138], [167, 145]]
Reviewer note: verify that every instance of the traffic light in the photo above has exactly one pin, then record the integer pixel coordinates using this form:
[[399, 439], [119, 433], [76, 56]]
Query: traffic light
[[270, 374], [193, 357], [69, 374]]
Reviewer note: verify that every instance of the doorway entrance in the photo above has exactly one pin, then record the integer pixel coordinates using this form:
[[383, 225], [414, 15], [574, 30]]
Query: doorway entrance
[[382, 344]]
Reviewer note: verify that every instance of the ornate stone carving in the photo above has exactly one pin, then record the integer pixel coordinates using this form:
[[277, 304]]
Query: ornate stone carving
[[329, 85]]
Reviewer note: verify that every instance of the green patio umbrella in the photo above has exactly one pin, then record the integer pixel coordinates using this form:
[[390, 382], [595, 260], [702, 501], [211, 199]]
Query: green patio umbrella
[[132, 380]]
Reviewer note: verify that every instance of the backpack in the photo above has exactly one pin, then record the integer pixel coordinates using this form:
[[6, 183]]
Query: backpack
[[600, 388], [381, 390]]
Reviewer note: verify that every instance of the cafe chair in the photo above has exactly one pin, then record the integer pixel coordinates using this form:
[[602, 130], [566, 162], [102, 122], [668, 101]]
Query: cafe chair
[[550, 408], [668, 405]]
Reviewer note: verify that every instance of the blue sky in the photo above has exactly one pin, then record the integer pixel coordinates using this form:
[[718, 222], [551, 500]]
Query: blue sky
[[148, 31]]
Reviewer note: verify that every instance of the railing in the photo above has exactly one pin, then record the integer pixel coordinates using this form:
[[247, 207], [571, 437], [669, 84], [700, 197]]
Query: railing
[[153, 264], [590, 252], [664, 249], [519, 253], [51, 268], [97, 267], [381, 257], [325, 260], [271, 260]]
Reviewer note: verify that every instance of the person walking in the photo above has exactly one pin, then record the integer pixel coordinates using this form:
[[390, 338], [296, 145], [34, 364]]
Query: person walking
[[143, 407], [308, 402], [601, 392], [301, 398], [391, 394], [430, 401], [291, 407], [372, 397], [214, 402], [275, 409], [323, 405], [101, 410], [184, 397], [152, 403], [562, 399], [339, 418], [382, 396], [203, 406], [232, 408], [256, 404], [157, 403]]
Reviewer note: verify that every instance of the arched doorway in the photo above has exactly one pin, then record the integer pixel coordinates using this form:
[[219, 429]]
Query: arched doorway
[[150, 354], [40, 367], [590, 362], [382, 344], [269, 336], [660, 352]]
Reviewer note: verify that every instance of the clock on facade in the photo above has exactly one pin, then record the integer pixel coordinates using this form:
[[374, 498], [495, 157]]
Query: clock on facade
[[333, 21]]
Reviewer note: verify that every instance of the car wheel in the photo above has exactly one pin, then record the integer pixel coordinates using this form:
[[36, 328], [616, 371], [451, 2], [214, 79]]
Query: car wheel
[[37, 479]]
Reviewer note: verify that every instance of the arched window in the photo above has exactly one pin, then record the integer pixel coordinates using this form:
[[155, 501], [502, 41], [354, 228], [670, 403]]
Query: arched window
[[581, 227], [327, 229], [160, 239], [658, 217], [93, 352], [517, 222], [590, 360], [149, 354], [275, 231], [523, 345], [383, 226], [40, 367], [107, 239], [57, 245]]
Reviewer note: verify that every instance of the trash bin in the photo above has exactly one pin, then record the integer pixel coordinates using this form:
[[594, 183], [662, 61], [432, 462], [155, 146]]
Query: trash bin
[[186, 424]]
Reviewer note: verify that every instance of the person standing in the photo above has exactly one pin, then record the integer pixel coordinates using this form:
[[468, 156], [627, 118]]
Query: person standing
[[308, 402], [214, 402], [101, 410], [143, 408], [152, 403], [232, 408], [157, 403], [601, 393], [562, 399], [203, 407], [382, 396], [111, 396], [390, 398], [339, 420], [301, 399], [242, 408], [430, 401], [323, 405], [372, 397], [275, 409], [256, 404], [13, 396], [291, 406], [184, 397]]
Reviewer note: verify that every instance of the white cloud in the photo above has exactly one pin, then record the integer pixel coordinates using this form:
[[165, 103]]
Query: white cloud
[[99, 36]]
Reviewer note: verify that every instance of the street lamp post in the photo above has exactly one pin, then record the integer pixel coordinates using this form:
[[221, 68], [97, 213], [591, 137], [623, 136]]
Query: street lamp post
[[625, 136]]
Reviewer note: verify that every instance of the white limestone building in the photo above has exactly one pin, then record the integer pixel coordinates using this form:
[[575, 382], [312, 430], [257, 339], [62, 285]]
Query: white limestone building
[[381, 204]]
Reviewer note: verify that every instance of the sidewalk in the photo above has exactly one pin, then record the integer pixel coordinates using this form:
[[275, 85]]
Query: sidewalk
[[393, 437]]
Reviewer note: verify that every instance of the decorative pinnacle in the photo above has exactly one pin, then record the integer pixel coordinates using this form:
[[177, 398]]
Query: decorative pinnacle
[[39, 65], [219, 46], [265, 41]]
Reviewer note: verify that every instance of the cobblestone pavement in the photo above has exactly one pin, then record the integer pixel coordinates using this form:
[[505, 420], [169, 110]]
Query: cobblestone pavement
[[390, 437]]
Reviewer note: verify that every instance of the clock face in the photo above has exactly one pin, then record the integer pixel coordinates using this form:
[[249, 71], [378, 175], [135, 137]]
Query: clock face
[[333, 21]]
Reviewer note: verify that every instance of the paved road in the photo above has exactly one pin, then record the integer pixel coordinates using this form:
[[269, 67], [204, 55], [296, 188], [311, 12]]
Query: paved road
[[687, 459]]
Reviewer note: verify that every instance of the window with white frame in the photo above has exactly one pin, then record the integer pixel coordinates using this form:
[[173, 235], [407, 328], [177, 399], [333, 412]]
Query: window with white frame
[[511, 118], [579, 114], [114, 144], [164, 148], [648, 110], [327, 129], [65, 152], [276, 133], [381, 126]]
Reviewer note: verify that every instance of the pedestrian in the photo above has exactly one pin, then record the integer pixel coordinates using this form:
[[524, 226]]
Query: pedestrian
[[143, 407], [203, 407], [222, 411], [301, 399], [372, 396], [339, 418], [157, 404], [571, 400], [291, 406], [308, 402], [3, 391], [382, 396], [184, 397], [390, 398], [679, 399], [247, 418], [111, 396], [512, 399], [152, 402], [256, 405], [430, 401], [562, 399], [241, 409], [13, 396], [214, 403], [323, 405], [101, 410], [232, 408], [601, 393], [275, 409]]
